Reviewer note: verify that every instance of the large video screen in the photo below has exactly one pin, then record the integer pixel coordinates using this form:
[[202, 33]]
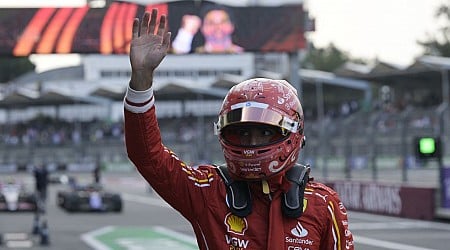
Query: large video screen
[[196, 26]]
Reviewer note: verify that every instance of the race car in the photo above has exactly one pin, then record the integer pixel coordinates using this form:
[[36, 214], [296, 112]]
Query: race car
[[90, 197], [14, 197]]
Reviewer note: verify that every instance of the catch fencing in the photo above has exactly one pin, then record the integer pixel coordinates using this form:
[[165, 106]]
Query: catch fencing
[[378, 146]]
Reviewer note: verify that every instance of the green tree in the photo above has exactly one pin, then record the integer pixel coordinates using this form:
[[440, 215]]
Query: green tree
[[12, 67], [328, 58], [325, 59], [439, 45]]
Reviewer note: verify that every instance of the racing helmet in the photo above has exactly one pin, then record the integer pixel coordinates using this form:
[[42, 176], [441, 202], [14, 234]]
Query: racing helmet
[[266, 104]]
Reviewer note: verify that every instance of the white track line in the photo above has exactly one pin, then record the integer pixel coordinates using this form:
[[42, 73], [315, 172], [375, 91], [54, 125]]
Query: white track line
[[359, 239], [382, 244]]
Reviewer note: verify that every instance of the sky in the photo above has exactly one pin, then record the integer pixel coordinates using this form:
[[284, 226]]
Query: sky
[[387, 30]]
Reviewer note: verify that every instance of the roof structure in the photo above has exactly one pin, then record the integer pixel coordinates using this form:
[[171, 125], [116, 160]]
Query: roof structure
[[66, 73], [18, 98], [422, 65], [179, 92], [24, 97], [435, 62], [115, 93], [335, 88], [426, 79]]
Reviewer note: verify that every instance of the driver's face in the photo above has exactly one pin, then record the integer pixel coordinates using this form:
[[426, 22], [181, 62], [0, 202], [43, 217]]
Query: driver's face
[[252, 134]]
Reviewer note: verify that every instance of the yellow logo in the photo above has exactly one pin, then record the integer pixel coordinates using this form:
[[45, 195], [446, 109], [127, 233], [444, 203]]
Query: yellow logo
[[235, 224], [305, 203]]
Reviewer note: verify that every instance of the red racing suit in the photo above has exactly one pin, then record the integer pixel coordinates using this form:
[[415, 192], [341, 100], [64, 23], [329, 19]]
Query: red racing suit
[[199, 194]]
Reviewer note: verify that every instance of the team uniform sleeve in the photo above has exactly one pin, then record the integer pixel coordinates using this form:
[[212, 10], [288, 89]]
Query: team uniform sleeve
[[338, 235], [177, 183]]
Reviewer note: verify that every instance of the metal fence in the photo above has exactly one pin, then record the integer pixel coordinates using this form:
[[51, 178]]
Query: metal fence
[[374, 146], [378, 145]]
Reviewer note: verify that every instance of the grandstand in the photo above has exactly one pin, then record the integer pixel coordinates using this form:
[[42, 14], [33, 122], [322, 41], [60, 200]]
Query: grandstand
[[73, 116]]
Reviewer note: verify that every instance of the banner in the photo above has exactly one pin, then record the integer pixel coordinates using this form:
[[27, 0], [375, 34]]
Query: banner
[[387, 199], [445, 187], [197, 27]]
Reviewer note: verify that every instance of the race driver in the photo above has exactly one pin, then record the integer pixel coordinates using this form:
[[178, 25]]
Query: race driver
[[261, 199]]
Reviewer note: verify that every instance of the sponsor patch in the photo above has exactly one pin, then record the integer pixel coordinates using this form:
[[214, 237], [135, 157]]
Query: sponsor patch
[[235, 224]]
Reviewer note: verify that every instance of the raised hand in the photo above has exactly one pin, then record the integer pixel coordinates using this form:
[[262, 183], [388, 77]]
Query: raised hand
[[149, 46], [191, 23]]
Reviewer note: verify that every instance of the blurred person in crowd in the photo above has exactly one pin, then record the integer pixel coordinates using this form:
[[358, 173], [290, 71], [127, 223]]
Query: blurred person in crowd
[[261, 198], [97, 171], [41, 181], [217, 29]]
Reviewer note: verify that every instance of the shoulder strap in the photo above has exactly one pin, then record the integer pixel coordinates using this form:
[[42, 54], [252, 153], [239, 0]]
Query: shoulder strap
[[292, 201], [239, 198], [238, 194]]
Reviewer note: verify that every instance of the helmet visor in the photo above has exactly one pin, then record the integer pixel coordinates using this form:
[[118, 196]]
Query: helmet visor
[[257, 114]]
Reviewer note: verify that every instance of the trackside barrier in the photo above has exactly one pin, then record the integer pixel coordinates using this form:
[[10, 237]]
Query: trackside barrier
[[387, 199], [446, 188]]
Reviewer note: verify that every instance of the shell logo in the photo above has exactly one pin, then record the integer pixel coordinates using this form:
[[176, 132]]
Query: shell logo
[[235, 224]]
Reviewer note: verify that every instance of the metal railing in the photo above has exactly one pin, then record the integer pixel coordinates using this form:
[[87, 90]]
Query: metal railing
[[377, 146]]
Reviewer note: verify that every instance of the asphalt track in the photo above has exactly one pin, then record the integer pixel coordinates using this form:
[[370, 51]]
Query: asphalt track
[[148, 223]]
